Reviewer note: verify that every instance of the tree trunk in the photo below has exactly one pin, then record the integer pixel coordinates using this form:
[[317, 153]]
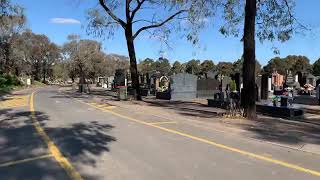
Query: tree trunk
[[133, 63], [36, 71], [6, 58], [249, 63], [44, 71]]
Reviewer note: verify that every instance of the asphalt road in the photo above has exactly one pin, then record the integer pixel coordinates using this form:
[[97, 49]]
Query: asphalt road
[[101, 142]]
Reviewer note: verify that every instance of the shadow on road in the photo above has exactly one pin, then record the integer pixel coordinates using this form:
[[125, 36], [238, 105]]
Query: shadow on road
[[82, 143], [282, 132], [191, 109]]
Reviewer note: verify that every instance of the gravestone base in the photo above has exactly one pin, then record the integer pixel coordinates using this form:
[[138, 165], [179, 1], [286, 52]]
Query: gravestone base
[[282, 112], [163, 95]]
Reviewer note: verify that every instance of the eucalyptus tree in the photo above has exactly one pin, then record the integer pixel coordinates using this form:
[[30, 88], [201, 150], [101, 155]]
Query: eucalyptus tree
[[176, 68], [206, 66], [265, 19], [159, 18], [83, 55], [12, 20], [316, 68], [193, 67]]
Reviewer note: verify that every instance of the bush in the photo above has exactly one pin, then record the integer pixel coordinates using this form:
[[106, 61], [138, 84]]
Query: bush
[[9, 80], [233, 86], [2, 81]]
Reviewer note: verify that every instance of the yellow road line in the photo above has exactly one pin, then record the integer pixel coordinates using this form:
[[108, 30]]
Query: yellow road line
[[106, 106], [53, 149], [25, 160], [109, 107], [222, 146], [166, 122]]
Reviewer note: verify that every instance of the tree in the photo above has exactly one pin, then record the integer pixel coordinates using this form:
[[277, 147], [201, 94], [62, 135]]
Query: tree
[[268, 20], [193, 67], [298, 64], [206, 66], [52, 56], [291, 63], [106, 18], [163, 66], [86, 58], [12, 20], [238, 67], [276, 64], [225, 68], [146, 66], [176, 68], [316, 68], [33, 54]]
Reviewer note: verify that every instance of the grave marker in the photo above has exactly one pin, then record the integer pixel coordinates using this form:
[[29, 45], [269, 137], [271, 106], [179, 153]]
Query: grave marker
[[183, 86]]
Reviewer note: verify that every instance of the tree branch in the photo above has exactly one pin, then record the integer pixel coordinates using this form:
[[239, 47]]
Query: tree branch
[[128, 10], [159, 24], [292, 16], [113, 16], [137, 8]]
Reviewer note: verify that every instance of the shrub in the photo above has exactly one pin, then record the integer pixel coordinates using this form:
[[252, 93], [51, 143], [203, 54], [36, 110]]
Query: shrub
[[9, 80], [233, 86]]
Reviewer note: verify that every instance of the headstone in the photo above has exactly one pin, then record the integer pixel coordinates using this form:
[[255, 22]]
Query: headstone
[[264, 87], [270, 84], [212, 74], [237, 79], [258, 88], [109, 82], [300, 79], [225, 84], [119, 78], [183, 87], [296, 79], [207, 88], [311, 79], [290, 80]]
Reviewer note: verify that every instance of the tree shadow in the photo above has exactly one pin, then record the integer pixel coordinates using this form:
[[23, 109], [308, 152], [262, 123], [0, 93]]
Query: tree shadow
[[191, 109], [273, 130], [81, 143]]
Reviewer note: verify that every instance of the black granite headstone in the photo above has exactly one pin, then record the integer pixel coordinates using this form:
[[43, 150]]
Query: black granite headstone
[[264, 87], [119, 78], [237, 80]]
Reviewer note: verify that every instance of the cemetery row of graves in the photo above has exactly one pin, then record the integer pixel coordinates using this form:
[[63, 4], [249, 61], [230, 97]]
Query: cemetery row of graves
[[276, 94]]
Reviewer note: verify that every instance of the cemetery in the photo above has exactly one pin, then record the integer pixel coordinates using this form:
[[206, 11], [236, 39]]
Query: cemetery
[[277, 95]]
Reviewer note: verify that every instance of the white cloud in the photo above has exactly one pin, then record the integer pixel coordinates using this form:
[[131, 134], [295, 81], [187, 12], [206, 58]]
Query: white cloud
[[64, 21]]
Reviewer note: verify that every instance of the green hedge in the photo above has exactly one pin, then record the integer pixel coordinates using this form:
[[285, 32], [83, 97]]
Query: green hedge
[[8, 82]]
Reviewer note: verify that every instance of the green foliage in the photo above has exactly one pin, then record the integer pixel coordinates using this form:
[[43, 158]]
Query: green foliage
[[146, 66], [8, 82], [238, 65], [225, 68], [233, 86], [206, 66], [193, 67], [162, 65], [177, 67], [316, 68], [290, 63], [275, 20]]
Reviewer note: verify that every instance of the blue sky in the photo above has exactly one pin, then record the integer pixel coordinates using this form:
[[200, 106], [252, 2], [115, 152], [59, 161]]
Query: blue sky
[[43, 19]]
